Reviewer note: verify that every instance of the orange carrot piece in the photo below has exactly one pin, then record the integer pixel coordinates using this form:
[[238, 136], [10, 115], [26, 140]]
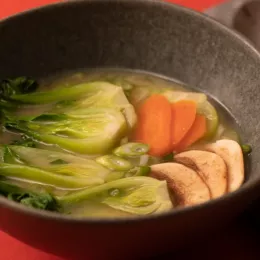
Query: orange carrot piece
[[183, 117], [197, 131], [154, 125]]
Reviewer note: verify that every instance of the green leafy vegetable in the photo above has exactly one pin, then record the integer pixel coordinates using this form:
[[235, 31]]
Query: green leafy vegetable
[[10, 156], [21, 85], [24, 141], [111, 97], [169, 157], [75, 92], [43, 201], [10, 87], [86, 131], [60, 164], [137, 195], [81, 96], [72, 180], [88, 118]]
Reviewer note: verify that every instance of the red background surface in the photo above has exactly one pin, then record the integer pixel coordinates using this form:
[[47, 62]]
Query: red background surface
[[11, 249], [9, 7]]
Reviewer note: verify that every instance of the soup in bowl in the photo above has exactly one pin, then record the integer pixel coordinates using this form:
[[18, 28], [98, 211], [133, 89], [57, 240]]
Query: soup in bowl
[[128, 128], [115, 143]]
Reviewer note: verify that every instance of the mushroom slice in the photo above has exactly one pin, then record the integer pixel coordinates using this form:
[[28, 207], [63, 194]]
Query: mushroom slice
[[185, 184], [210, 166], [231, 152]]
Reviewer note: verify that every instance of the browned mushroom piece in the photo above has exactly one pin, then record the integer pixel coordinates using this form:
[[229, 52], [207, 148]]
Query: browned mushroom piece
[[184, 183], [210, 166], [231, 152]]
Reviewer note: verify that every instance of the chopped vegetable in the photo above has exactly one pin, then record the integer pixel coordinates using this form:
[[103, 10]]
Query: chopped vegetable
[[247, 149], [168, 158], [154, 125], [137, 195], [212, 119], [132, 150], [183, 117], [197, 131], [114, 163]]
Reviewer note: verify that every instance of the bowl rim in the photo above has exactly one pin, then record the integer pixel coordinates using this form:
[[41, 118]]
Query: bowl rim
[[247, 187]]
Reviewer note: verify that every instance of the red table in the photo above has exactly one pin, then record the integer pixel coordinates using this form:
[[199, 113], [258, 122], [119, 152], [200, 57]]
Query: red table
[[9, 7], [12, 249]]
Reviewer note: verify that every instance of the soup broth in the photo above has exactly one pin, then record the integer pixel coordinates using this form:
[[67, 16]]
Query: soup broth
[[115, 143]]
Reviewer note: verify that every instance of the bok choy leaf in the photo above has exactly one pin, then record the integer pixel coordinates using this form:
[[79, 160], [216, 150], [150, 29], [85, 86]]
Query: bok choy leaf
[[62, 164], [17, 86], [70, 180], [64, 94], [135, 195], [86, 131], [81, 96], [44, 201]]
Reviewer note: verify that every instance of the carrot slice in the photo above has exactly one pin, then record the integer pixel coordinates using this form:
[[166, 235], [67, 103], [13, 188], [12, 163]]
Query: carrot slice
[[183, 117], [197, 131], [154, 125]]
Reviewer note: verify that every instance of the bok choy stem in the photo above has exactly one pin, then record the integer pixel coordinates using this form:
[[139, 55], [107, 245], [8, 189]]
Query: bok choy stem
[[41, 176]]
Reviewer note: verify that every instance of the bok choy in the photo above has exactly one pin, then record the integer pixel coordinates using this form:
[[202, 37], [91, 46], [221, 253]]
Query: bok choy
[[44, 201], [88, 131], [88, 118], [59, 164], [135, 195], [95, 94]]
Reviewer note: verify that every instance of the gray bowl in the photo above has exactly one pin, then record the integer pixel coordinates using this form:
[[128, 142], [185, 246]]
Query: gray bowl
[[146, 35]]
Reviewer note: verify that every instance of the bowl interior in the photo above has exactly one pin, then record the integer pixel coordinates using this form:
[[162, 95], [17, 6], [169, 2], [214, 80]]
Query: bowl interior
[[144, 35]]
